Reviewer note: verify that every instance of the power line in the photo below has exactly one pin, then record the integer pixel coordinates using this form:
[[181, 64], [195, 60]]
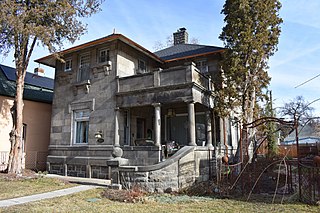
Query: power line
[[307, 81]]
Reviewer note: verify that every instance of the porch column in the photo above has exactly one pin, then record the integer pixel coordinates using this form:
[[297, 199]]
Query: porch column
[[209, 130], [192, 126], [116, 128], [157, 124]]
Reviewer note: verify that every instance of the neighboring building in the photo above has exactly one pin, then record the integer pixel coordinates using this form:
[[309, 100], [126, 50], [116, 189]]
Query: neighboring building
[[38, 94], [114, 98]]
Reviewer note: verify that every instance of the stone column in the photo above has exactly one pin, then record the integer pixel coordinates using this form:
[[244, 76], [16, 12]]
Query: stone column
[[117, 151], [157, 124], [116, 128], [209, 130], [192, 124]]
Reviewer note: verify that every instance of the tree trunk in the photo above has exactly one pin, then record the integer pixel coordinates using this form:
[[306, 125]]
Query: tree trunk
[[16, 156]]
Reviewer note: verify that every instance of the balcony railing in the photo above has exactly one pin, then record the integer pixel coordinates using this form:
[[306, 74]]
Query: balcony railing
[[162, 78]]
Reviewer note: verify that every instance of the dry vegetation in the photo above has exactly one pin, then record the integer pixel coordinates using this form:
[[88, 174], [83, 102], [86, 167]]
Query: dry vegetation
[[94, 201], [196, 199], [27, 184]]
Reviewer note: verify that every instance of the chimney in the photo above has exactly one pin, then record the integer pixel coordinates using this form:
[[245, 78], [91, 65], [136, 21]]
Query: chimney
[[181, 36], [38, 71]]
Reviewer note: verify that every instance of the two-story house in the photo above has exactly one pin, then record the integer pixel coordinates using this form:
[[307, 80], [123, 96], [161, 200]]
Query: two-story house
[[113, 98]]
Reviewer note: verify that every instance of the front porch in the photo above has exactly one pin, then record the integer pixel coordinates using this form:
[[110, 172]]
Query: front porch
[[166, 107]]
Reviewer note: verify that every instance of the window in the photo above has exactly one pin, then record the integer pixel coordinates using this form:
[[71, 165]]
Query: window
[[141, 66], [68, 65], [24, 137], [202, 66], [84, 67], [103, 56], [81, 127]]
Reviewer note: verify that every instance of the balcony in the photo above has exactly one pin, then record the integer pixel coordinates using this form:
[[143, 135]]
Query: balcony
[[183, 83], [177, 76]]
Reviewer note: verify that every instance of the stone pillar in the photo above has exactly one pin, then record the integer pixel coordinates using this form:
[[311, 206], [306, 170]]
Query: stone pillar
[[117, 152], [192, 124], [116, 128], [209, 130], [157, 124]]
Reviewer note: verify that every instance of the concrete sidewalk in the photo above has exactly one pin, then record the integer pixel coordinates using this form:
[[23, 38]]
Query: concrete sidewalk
[[42, 196]]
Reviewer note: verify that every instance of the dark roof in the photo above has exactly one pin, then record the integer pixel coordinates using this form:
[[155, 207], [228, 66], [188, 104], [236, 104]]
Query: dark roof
[[186, 50], [36, 88], [31, 79]]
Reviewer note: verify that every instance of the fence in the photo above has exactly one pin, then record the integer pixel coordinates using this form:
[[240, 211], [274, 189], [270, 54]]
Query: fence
[[304, 150], [4, 157], [34, 160], [276, 178]]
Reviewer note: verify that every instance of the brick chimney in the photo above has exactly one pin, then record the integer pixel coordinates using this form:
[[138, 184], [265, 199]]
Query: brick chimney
[[181, 36]]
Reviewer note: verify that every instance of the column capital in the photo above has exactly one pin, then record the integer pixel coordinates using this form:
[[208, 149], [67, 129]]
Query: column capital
[[156, 104], [190, 102], [116, 108]]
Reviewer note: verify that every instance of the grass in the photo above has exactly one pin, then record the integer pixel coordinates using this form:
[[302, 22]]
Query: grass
[[92, 201], [11, 188]]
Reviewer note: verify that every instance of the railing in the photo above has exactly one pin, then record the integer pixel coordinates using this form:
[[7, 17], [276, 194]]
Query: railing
[[4, 158], [160, 78]]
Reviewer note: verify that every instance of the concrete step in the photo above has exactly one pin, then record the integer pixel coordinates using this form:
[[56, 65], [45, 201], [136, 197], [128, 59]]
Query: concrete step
[[80, 180]]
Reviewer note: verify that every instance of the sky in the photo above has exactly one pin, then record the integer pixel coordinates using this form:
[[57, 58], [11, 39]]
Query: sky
[[146, 22]]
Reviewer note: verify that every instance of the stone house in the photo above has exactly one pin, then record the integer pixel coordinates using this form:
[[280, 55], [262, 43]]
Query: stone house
[[38, 94], [120, 109]]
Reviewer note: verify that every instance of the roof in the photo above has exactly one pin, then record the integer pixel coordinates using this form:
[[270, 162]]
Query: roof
[[182, 51], [37, 88], [50, 59]]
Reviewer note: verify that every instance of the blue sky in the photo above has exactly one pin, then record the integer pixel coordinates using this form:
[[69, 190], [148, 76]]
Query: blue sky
[[146, 22]]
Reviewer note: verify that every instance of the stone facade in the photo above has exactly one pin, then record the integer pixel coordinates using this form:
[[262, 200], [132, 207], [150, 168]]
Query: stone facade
[[188, 166], [116, 119]]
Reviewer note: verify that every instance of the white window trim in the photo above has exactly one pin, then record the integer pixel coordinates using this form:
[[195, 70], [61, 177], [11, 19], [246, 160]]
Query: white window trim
[[65, 65], [74, 128]]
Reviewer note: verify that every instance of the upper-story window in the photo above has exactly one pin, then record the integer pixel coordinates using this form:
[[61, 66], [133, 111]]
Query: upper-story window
[[103, 56], [202, 66], [141, 66], [68, 65], [84, 67]]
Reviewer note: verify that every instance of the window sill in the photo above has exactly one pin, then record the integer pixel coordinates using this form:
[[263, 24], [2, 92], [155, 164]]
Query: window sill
[[80, 144], [81, 85]]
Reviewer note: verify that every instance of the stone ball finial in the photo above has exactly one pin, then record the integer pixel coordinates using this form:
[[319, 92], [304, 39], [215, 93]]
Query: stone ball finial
[[117, 152]]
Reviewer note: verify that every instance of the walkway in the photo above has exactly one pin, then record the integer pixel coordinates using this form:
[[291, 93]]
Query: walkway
[[42, 196]]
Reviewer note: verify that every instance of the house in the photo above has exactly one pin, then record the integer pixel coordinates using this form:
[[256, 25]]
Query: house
[[38, 94], [119, 108]]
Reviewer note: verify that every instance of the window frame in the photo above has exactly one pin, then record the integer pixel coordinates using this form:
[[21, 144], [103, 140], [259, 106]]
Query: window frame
[[84, 69], [106, 57], [140, 71], [65, 68], [201, 67], [81, 119]]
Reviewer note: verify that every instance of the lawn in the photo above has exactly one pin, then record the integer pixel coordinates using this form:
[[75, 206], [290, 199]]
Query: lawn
[[92, 201], [13, 187]]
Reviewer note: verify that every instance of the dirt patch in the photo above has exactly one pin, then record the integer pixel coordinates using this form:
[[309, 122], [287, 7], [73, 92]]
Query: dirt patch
[[26, 174]]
